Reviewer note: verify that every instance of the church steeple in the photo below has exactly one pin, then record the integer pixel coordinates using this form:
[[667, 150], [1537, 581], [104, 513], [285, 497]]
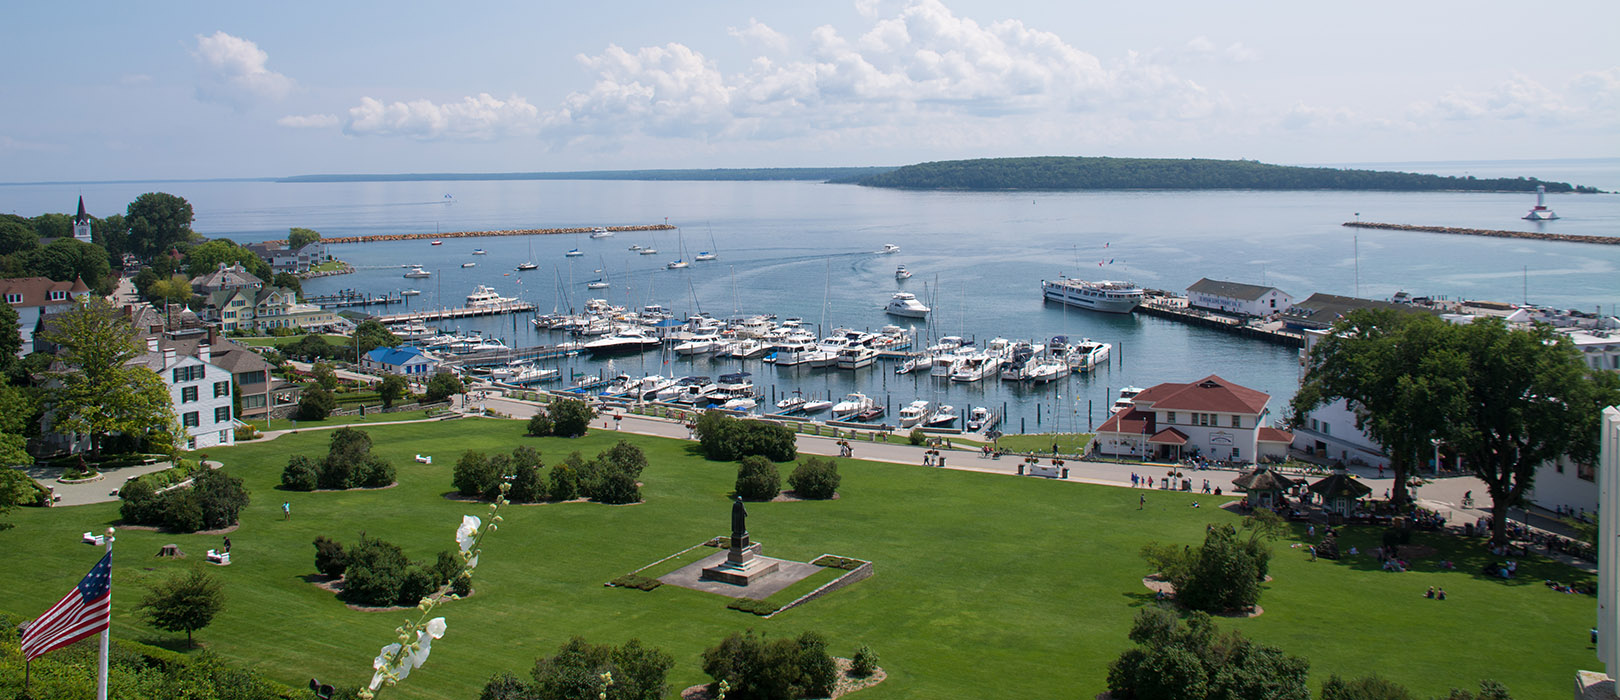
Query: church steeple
[[81, 223]]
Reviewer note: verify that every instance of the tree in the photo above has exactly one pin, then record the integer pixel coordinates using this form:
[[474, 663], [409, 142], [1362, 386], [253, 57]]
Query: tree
[[325, 375], [563, 483], [157, 222], [300, 474], [373, 335], [103, 394], [472, 475], [391, 389], [444, 385], [375, 572], [16, 237], [316, 403], [539, 424], [1222, 575], [724, 438], [757, 479], [570, 417], [53, 225], [527, 484], [330, 559], [220, 497], [300, 237], [777, 669], [816, 478], [1403, 376], [1196, 662], [174, 289], [112, 234], [184, 603], [289, 281], [575, 672], [1365, 688], [206, 258], [1529, 398], [10, 339]]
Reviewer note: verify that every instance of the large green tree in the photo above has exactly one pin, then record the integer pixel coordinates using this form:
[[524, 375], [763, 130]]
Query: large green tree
[[372, 335], [10, 339], [1402, 374], [112, 234], [16, 236], [63, 260], [300, 237], [157, 222], [207, 257], [1529, 399], [183, 603], [102, 394], [53, 225]]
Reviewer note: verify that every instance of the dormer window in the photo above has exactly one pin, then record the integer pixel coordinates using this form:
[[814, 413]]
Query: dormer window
[[14, 298], [58, 295]]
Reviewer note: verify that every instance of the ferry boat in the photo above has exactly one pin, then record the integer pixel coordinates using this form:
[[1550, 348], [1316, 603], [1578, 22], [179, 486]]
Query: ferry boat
[[486, 296], [1540, 212], [416, 272], [1104, 295], [600, 232], [901, 273], [905, 304]]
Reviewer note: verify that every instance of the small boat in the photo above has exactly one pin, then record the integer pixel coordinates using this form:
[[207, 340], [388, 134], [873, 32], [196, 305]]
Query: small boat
[[596, 284], [469, 264], [743, 404], [527, 266], [905, 304], [678, 264], [889, 248], [941, 417], [705, 255], [573, 253], [416, 273], [901, 273], [648, 251], [791, 404], [870, 414], [600, 232], [438, 243], [635, 246], [478, 251], [410, 292], [817, 406]]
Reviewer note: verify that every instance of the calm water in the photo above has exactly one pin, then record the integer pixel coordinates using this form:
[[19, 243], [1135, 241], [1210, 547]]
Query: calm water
[[805, 249]]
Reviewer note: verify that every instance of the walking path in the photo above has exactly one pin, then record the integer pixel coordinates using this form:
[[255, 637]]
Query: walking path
[[98, 491]]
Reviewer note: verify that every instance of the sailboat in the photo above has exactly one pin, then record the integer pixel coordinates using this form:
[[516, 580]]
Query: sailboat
[[680, 262], [708, 254], [599, 282], [529, 264]]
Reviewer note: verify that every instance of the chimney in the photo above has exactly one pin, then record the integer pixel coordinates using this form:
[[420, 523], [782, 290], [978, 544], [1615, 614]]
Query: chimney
[[151, 344], [205, 351], [168, 356]]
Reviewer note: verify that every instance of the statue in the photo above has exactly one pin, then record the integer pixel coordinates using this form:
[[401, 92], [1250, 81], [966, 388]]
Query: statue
[[739, 518]]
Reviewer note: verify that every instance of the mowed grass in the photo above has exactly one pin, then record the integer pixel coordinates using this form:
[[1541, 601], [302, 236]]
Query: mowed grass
[[986, 585]]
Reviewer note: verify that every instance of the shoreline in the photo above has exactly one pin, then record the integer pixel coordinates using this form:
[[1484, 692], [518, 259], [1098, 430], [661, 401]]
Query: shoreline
[[1490, 233], [338, 240]]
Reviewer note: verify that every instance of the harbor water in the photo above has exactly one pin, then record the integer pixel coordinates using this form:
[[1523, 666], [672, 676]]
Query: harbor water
[[808, 250]]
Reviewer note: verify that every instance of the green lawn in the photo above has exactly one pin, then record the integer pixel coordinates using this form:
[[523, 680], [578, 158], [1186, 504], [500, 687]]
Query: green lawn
[[288, 424], [280, 340], [327, 266], [985, 585]]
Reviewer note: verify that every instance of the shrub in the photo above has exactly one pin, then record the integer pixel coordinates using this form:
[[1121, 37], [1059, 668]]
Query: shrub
[[1195, 662], [750, 605], [1365, 688], [220, 496], [315, 404], [864, 663], [570, 417], [1221, 577], [141, 504], [757, 479], [638, 672], [816, 477], [472, 474], [417, 583], [461, 586], [330, 559], [182, 512], [375, 573], [617, 487], [505, 686], [563, 483], [527, 484], [833, 562], [301, 474], [540, 424], [820, 673], [637, 581], [723, 438], [374, 472], [777, 669], [444, 385], [446, 567], [625, 457], [917, 436]]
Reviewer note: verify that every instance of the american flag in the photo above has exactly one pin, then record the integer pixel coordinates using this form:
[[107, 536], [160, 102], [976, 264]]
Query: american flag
[[84, 611]]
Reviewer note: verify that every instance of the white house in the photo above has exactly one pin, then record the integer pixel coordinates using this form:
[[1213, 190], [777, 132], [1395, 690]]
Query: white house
[[1237, 298], [283, 259], [1211, 417], [34, 297], [410, 362], [199, 391]]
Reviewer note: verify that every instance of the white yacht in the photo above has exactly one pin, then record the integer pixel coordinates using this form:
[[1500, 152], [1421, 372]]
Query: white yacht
[[734, 387], [688, 390], [975, 367], [597, 284], [1043, 371], [649, 250], [1125, 402], [627, 340], [790, 404], [486, 296], [817, 405], [413, 331], [678, 264], [705, 255], [1088, 355], [941, 417], [978, 418], [647, 387], [698, 345], [416, 272], [901, 273], [411, 293], [1104, 295], [479, 251], [914, 413], [791, 351], [635, 246], [574, 253], [889, 248], [748, 349], [487, 345], [851, 405], [600, 232], [510, 370], [906, 304], [856, 357]]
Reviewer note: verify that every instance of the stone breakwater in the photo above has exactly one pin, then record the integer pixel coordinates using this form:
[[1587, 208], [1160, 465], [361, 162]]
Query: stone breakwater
[[480, 234], [1563, 237]]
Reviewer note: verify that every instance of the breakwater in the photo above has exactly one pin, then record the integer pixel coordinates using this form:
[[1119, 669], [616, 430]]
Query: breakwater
[[375, 238], [1561, 237]]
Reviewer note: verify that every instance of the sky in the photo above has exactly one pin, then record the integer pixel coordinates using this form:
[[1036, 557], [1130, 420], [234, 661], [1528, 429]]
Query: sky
[[100, 90]]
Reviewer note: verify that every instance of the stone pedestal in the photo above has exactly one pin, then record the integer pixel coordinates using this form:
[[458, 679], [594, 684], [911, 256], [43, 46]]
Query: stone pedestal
[[743, 564], [1591, 685]]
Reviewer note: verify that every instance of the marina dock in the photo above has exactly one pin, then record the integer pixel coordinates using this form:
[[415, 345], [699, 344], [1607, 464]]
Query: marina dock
[[350, 297], [495, 358], [1167, 307], [457, 312], [1537, 235]]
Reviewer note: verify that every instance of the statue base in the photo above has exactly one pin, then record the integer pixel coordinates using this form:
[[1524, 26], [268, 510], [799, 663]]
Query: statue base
[[743, 564], [1591, 685]]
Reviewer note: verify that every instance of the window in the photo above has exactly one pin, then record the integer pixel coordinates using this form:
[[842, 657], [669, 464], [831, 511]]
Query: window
[[1170, 417], [253, 401], [190, 419], [14, 298], [1325, 430], [222, 414], [222, 389], [1237, 421], [191, 443], [188, 394], [58, 295], [188, 373], [224, 437]]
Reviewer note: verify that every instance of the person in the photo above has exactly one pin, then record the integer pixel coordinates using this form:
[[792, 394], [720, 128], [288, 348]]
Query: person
[[1054, 448], [928, 459], [1440, 594], [286, 510], [1313, 552], [227, 543], [1311, 531], [1141, 502], [1353, 550], [1150, 482], [1430, 594], [1195, 504]]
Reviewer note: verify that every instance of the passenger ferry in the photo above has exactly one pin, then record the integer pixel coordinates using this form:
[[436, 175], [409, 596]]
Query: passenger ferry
[[1104, 295]]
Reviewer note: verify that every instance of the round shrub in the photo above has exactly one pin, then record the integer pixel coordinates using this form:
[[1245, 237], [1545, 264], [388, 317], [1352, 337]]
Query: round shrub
[[816, 478], [375, 472], [330, 559], [570, 417], [316, 404], [416, 584], [220, 496], [617, 487], [142, 505], [540, 424], [917, 436], [562, 484], [472, 474], [301, 474], [757, 479], [864, 663]]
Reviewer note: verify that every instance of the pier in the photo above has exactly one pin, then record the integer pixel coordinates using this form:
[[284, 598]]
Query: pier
[[514, 307], [1535, 235], [496, 358], [350, 297], [482, 234], [1168, 307]]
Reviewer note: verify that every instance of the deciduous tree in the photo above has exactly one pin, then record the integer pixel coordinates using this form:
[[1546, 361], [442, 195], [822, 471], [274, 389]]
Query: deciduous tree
[[157, 222], [103, 394], [184, 603], [300, 237], [391, 389], [206, 258]]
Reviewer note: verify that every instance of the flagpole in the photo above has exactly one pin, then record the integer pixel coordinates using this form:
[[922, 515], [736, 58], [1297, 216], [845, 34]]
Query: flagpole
[[106, 634]]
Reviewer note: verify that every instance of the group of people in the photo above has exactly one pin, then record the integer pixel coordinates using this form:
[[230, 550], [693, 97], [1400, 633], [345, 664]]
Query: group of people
[[1436, 593], [931, 458], [844, 449]]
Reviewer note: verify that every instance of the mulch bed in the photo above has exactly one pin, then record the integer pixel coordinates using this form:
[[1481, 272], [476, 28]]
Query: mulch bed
[[335, 586], [845, 685], [1159, 585], [154, 528], [790, 496]]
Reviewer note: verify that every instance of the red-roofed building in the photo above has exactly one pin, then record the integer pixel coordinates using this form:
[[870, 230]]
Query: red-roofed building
[[1211, 418], [34, 297]]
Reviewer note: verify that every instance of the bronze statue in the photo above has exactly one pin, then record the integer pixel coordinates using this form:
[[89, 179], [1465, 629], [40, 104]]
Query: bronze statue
[[739, 518]]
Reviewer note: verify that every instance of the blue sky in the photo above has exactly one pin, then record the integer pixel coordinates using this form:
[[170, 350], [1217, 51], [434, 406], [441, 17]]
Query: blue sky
[[103, 90]]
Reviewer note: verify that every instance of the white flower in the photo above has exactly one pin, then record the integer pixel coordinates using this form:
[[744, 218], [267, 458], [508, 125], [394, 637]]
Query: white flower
[[424, 640], [381, 665], [467, 531]]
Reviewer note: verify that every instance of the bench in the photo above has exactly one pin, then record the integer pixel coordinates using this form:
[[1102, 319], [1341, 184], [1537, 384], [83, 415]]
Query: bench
[[220, 558], [97, 540], [424, 460]]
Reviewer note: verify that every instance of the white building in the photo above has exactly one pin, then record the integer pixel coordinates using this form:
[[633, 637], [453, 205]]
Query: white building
[[1600, 348], [199, 391], [1212, 418], [1237, 298], [407, 361]]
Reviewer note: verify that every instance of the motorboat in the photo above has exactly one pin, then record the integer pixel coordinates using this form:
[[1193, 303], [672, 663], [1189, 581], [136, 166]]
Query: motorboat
[[748, 349], [485, 296], [573, 253], [469, 264], [889, 248], [901, 273], [478, 251], [791, 351], [698, 345], [1109, 296], [704, 255], [525, 267], [914, 413], [416, 272], [817, 405], [733, 386], [627, 340], [1089, 354], [978, 418], [1125, 401], [870, 414], [412, 331], [487, 345], [1540, 212], [688, 390], [635, 246], [600, 232], [438, 243], [975, 367], [941, 417], [510, 370], [945, 364], [739, 404], [644, 388], [851, 405], [914, 364], [597, 284], [905, 304], [790, 404], [856, 357], [1047, 370], [411, 293]]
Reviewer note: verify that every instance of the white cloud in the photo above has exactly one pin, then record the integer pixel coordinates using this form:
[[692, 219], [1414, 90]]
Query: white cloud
[[761, 35], [477, 118], [1587, 97], [232, 71], [309, 121], [1201, 48]]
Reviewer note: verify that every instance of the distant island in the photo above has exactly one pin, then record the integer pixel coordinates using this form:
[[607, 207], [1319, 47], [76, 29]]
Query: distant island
[[1079, 173], [712, 174]]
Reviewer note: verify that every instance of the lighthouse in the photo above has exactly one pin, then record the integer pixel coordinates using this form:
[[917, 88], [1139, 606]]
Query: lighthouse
[[1541, 212]]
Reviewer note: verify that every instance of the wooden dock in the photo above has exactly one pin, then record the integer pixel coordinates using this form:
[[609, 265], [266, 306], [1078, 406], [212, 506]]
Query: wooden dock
[[1176, 312], [515, 307], [501, 357], [349, 297]]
